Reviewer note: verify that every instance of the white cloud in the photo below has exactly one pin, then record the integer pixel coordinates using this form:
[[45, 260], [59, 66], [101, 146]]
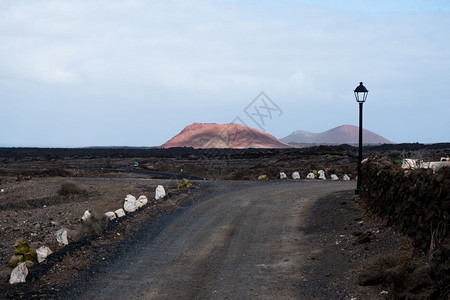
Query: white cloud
[[189, 54]]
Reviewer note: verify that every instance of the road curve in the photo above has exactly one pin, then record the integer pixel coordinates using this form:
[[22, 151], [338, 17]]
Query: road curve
[[241, 241]]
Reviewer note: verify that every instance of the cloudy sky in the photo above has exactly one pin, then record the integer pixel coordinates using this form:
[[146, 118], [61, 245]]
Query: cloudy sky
[[135, 73]]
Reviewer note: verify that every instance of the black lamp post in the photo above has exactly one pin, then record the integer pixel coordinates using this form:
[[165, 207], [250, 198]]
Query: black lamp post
[[361, 96]]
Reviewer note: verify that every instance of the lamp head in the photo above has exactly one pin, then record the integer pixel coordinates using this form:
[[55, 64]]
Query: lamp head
[[361, 93]]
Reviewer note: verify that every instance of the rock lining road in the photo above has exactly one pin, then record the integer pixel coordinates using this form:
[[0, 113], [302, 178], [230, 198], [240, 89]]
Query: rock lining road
[[241, 241]]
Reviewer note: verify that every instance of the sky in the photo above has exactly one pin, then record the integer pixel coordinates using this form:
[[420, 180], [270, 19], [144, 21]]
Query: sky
[[135, 73]]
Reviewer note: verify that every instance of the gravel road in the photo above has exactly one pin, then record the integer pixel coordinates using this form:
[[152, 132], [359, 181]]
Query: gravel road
[[240, 240]]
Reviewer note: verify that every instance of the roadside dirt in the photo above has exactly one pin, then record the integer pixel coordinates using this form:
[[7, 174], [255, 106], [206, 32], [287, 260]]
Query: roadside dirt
[[350, 243]]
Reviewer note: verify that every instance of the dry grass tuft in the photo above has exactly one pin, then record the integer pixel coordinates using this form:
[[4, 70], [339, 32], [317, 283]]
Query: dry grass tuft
[[71, 188]]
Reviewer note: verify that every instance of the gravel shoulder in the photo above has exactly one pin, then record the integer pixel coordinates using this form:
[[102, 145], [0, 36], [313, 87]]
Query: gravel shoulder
[[346, 244], [38, 219]]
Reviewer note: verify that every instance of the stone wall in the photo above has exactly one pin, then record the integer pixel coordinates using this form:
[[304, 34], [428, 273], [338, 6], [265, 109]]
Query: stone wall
[[416, 202]]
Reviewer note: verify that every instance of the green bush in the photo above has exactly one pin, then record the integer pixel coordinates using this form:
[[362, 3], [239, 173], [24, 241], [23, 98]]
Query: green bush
[[263, 177], [23, 252], [185, 184], [316, 174]]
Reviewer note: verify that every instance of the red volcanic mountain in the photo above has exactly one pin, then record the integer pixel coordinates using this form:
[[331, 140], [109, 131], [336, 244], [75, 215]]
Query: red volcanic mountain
[[345, 134], [211, 135]]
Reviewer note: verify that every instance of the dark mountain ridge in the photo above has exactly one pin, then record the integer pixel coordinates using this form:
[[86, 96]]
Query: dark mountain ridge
[[345, 134]]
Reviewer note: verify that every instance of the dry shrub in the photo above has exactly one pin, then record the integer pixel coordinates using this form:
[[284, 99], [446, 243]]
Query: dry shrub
[[71, 188], [379, 264], [374, 272], [93, 225]]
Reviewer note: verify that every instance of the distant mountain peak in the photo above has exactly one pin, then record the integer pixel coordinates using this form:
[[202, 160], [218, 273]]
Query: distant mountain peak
[[231, 135], [345, 134]]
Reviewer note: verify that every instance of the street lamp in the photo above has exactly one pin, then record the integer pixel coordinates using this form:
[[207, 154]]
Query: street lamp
[[361, 96]]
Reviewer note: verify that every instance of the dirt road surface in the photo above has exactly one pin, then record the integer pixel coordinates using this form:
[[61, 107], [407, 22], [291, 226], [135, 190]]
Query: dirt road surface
[[243, 240]]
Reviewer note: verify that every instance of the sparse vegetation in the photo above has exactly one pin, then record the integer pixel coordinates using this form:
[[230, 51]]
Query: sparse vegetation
[[374, 272], [71, 188], [316, 174], [263, 177], [185, 184], [22, 253]]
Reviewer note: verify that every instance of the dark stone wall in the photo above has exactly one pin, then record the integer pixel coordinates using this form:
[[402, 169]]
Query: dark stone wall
[[416, 202]]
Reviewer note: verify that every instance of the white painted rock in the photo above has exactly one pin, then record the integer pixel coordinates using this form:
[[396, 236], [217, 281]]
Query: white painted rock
[[334, 177], [130, 203], [310, 175], [19, 273], [345, 177], [110, 215], [137, 205], [87, 215], [61, 236], [295, 175], [120, 213], [42, 253], [141, 201], [322, 174], [160, 192], [283, 175], [409, 163], [437, 165]]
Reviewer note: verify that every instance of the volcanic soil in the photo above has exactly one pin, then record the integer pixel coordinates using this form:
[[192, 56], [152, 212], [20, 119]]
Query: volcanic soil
[[33, 207]]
